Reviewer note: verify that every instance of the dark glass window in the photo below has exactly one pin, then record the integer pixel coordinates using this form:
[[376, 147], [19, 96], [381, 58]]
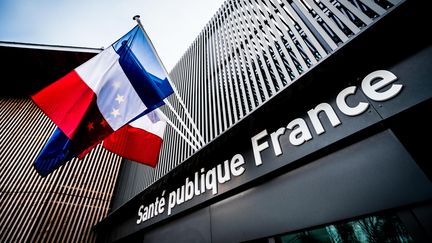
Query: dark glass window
[[372, 229]]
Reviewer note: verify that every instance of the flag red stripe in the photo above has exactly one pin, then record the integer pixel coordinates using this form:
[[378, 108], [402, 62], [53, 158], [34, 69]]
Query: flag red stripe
[[65, 102], [135, 144]]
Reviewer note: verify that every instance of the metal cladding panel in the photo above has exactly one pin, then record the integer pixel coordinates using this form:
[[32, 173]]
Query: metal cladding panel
[[371, 175], [415, 68], [65, 205], [359, 179], [195, 227]]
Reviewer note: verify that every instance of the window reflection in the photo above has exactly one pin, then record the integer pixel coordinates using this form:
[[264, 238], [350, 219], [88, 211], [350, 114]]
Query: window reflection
[[373, 229]]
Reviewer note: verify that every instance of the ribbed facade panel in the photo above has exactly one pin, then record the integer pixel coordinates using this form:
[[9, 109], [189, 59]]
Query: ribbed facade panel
[[65, 205], [248, 52]]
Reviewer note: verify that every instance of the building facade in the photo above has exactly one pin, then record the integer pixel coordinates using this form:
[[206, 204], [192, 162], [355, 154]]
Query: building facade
[[246, 54], [311, 116]]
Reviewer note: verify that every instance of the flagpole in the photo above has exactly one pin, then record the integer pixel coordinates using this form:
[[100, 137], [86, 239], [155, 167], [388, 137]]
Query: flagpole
[[182, 123], [137, 19], [164, 117]]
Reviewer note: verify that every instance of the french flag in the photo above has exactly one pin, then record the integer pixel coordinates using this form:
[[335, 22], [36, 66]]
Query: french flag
[[140, 140], [119, 85]]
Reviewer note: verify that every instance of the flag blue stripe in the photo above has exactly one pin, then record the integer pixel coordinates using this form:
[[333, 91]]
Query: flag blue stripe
[[141, 66], [56, 152], [149, 88]]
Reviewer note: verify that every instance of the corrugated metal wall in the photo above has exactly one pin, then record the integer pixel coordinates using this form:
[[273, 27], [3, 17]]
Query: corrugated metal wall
[[65, 205], [246, 54]]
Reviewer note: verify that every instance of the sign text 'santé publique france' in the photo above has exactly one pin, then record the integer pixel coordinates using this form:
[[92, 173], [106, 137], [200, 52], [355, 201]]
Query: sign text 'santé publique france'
[[377, 86]]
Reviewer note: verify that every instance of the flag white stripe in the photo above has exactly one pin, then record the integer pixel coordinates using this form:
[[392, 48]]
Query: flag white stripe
[[104, 75]]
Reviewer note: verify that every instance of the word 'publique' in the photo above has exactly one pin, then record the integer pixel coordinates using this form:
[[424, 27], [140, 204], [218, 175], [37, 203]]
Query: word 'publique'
[[377, 86]]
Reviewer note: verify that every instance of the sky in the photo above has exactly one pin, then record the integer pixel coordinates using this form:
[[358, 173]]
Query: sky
[[172, 25]]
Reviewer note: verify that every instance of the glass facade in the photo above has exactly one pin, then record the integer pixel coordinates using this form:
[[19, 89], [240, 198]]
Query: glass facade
[[378, 228]]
